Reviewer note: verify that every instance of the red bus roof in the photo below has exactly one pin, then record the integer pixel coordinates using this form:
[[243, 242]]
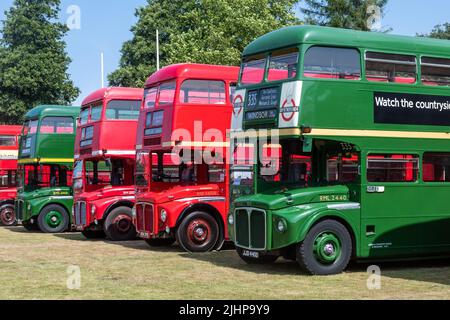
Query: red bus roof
[[10, 130], [192, 70], [114, 93]]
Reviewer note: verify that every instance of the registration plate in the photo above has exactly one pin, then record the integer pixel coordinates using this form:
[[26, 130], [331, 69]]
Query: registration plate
[[250, 254], [144, 235], [79, 228]]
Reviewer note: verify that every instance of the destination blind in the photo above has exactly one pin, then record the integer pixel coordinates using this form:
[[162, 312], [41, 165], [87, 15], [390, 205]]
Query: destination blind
[[262, 104]]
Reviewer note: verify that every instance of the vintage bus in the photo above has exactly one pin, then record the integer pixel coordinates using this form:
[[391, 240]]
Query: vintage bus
[[181, 194], [44, 196], [348, 136], [9, 149], [103, 179]]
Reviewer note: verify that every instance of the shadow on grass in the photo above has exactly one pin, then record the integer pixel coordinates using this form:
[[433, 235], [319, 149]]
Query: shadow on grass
[[425, 270], [432, 270], [21, 229], [137, 244], [230, 259]]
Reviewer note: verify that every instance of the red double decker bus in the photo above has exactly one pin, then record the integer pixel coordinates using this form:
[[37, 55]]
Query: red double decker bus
[[181, 181], [9, 148], [105, 158]]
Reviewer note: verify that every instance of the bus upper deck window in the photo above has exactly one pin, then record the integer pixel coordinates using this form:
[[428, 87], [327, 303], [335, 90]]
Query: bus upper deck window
[[435, 71], [150, 97], [84, 116], [123, 110], [386, 67], [96, 113], [63, 125], [252, 70], [7, 141], [332, 63], [283, 65], [203, 92], [30, 127], [167, 93]]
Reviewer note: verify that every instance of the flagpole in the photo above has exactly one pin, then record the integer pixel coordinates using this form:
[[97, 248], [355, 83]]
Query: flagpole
[[157, 50]]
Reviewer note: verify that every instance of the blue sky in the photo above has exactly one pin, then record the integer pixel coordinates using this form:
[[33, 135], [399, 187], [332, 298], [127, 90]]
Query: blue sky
[[105, 25]]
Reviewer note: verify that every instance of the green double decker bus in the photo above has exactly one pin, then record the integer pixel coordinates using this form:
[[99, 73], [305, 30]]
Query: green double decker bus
[[341, 148], [46, 153]]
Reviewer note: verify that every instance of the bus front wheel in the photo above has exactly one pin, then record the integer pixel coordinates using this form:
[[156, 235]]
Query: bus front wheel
[[119, 225], [53, 219], [326, 250], [7, 215], [198, 232]]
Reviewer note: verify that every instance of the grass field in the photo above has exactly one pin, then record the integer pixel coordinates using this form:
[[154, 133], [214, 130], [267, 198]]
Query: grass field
[[34, 266]]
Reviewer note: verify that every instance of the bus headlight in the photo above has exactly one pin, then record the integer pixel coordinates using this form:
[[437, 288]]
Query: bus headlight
[[29, 207], [93, 210], [231, 219], [133, 213], [163, 215], [281, 226]]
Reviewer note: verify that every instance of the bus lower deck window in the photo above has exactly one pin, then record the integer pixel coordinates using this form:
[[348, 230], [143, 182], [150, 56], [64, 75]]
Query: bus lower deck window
[[392, 168], [436, 167]]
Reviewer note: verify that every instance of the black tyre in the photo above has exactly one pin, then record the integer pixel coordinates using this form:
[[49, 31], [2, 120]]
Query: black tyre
[[30, 226], [198, 232], [262, 259], [119, 225], [7, 215], [326, 250], [53, 219], [158, 242], [93, 234]]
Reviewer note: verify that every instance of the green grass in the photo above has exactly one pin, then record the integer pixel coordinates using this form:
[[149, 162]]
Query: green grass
[[34, 266]]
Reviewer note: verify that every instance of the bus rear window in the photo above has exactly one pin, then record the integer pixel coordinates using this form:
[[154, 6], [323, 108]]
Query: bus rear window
[[252, 71], [385, 67], [283, 65], [203, 92], [392, 168], [435, 71], [7, 141], [58, 125], [96, 113], [332, 63], [123, 109]]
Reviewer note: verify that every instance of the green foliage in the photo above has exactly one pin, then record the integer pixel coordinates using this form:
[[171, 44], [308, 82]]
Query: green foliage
[[441, 31], [33, 60], [198, 31], [348, 14]]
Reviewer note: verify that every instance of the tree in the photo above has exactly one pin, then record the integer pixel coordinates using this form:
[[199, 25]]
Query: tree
[[33, 60], [348, 14], [197, 31], [441, 31]]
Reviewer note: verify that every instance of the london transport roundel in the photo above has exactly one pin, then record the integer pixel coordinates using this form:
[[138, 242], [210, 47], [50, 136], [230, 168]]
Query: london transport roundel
[[288, 111], [238, 105]]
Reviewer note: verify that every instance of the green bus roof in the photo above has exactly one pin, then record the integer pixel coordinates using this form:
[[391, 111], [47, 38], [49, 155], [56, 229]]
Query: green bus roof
[[296, 35], [52, 110]]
